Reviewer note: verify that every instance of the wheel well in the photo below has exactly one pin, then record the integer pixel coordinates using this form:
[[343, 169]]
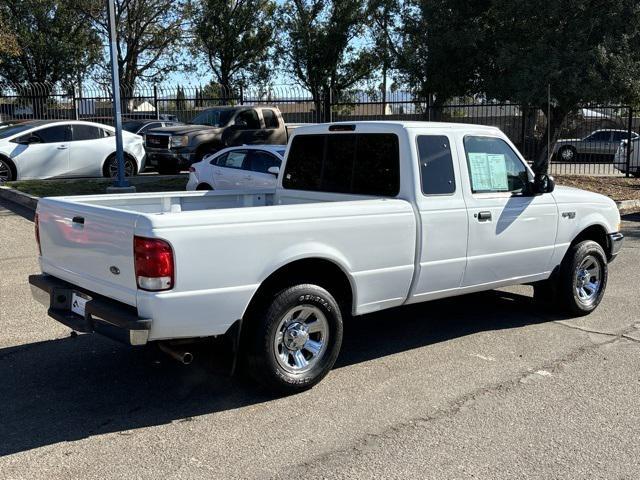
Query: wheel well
[[597, 233], [126, 155], [318, 271], [12, 166], [204, 186]]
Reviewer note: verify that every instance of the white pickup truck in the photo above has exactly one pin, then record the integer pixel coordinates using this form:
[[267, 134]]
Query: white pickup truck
[[366, 216]]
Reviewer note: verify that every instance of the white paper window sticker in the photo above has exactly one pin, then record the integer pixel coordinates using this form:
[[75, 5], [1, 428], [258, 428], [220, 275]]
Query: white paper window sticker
[[488, 172]]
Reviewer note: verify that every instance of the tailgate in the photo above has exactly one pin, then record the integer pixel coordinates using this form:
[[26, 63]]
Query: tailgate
[[89, 246]]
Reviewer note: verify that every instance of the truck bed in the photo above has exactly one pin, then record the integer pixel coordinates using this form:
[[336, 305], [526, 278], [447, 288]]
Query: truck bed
[[223, 254]]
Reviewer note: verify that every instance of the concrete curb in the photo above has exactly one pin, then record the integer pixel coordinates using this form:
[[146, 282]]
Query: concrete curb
[[21, 198], [624, 205]]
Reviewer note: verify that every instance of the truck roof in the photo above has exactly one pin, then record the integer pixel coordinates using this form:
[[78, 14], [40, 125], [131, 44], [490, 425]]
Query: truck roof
[[396, 124]]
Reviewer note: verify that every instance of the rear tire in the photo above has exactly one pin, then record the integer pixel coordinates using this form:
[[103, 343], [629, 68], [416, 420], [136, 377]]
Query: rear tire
[[582, 278], [294, 339], [567, 154], [7, 170]]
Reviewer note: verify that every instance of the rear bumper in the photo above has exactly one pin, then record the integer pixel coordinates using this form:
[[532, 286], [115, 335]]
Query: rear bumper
[[105, 316], [615, 244]]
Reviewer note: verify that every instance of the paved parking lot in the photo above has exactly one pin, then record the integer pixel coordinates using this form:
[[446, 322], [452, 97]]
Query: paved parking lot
[[481, 386]]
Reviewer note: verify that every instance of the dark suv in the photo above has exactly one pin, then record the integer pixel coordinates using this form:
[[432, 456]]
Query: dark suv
[[171, 149]]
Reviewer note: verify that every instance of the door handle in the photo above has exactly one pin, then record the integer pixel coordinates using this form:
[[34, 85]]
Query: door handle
[[62, 147], [484, 216]]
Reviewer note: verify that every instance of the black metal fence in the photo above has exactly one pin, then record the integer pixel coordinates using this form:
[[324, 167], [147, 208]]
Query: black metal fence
[[591, 139]]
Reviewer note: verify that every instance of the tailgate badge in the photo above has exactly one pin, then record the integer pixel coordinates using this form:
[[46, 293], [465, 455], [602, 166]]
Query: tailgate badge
[[115, 270]]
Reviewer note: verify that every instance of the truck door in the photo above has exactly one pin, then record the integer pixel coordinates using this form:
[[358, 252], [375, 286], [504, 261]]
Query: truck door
[[511, 234], [246, 129], [443, 215]]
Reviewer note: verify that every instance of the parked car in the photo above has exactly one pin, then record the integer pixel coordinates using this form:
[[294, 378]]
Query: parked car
[[172, 149], [48, 149], [167, 117], [620, 159], [366, 216], [599, 145], [251, 166], [140, 127]]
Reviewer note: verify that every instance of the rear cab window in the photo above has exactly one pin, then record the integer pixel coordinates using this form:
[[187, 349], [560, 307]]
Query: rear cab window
[[493, 166], [270, 118], [350, 163]]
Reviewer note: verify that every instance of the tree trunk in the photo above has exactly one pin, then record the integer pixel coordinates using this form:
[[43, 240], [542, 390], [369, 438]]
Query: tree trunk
[[558, 114]]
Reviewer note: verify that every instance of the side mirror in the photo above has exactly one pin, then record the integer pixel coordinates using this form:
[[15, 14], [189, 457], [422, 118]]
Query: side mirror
[[274, 171], [542, 184]]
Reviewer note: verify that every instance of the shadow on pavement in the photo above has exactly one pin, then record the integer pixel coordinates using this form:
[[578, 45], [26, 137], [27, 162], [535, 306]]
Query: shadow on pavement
[[24, 212], [77, 387]]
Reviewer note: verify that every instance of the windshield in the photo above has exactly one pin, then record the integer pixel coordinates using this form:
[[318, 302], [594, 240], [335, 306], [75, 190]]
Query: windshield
[[213, 117], [9, 131], [132, 127]]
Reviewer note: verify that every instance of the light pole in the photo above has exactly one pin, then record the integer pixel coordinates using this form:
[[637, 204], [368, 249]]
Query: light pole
[[121, 183]]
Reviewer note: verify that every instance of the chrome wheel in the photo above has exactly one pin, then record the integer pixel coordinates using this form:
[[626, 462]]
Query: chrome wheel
[[128, 167], [5, 172], [567, 154], [301, 338], [588, 280]]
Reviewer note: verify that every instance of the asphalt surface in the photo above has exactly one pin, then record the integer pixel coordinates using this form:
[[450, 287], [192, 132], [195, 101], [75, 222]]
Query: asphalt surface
[[482, 386]]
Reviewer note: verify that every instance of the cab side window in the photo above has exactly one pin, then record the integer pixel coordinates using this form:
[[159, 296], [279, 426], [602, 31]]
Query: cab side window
[[248, 119], [494, 166], [270, 118], [436, 165]]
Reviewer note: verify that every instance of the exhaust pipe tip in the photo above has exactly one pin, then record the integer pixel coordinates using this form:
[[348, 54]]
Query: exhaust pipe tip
[[186, 358]]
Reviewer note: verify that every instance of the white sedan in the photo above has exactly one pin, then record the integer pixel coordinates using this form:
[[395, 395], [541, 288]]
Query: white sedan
[[43, 149], [248, 166]]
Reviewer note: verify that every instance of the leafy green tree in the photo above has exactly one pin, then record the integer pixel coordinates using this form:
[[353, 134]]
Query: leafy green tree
[[440, 51], [585, 50], [149, 35], [236, 37], [319, 45], [384, 26], [50, 42]]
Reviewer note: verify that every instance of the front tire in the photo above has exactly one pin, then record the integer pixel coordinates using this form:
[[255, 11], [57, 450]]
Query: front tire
[[110, 169], [293, 344], [582, 278]]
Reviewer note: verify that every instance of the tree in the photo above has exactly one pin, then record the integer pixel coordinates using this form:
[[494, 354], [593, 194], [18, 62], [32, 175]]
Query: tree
[[440, 51], [236, 37], [149, 33], [586, 51], [384, 16], [54, 44], [319, 46]]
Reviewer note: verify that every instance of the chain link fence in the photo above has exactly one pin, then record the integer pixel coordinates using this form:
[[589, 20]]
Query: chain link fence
[[592, 140]]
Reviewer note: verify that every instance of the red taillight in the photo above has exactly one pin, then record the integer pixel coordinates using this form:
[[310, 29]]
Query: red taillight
[[153, 263], [37, 230]]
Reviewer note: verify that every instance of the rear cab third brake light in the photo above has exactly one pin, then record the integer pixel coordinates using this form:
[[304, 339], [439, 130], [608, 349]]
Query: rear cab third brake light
[[154, 264]]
